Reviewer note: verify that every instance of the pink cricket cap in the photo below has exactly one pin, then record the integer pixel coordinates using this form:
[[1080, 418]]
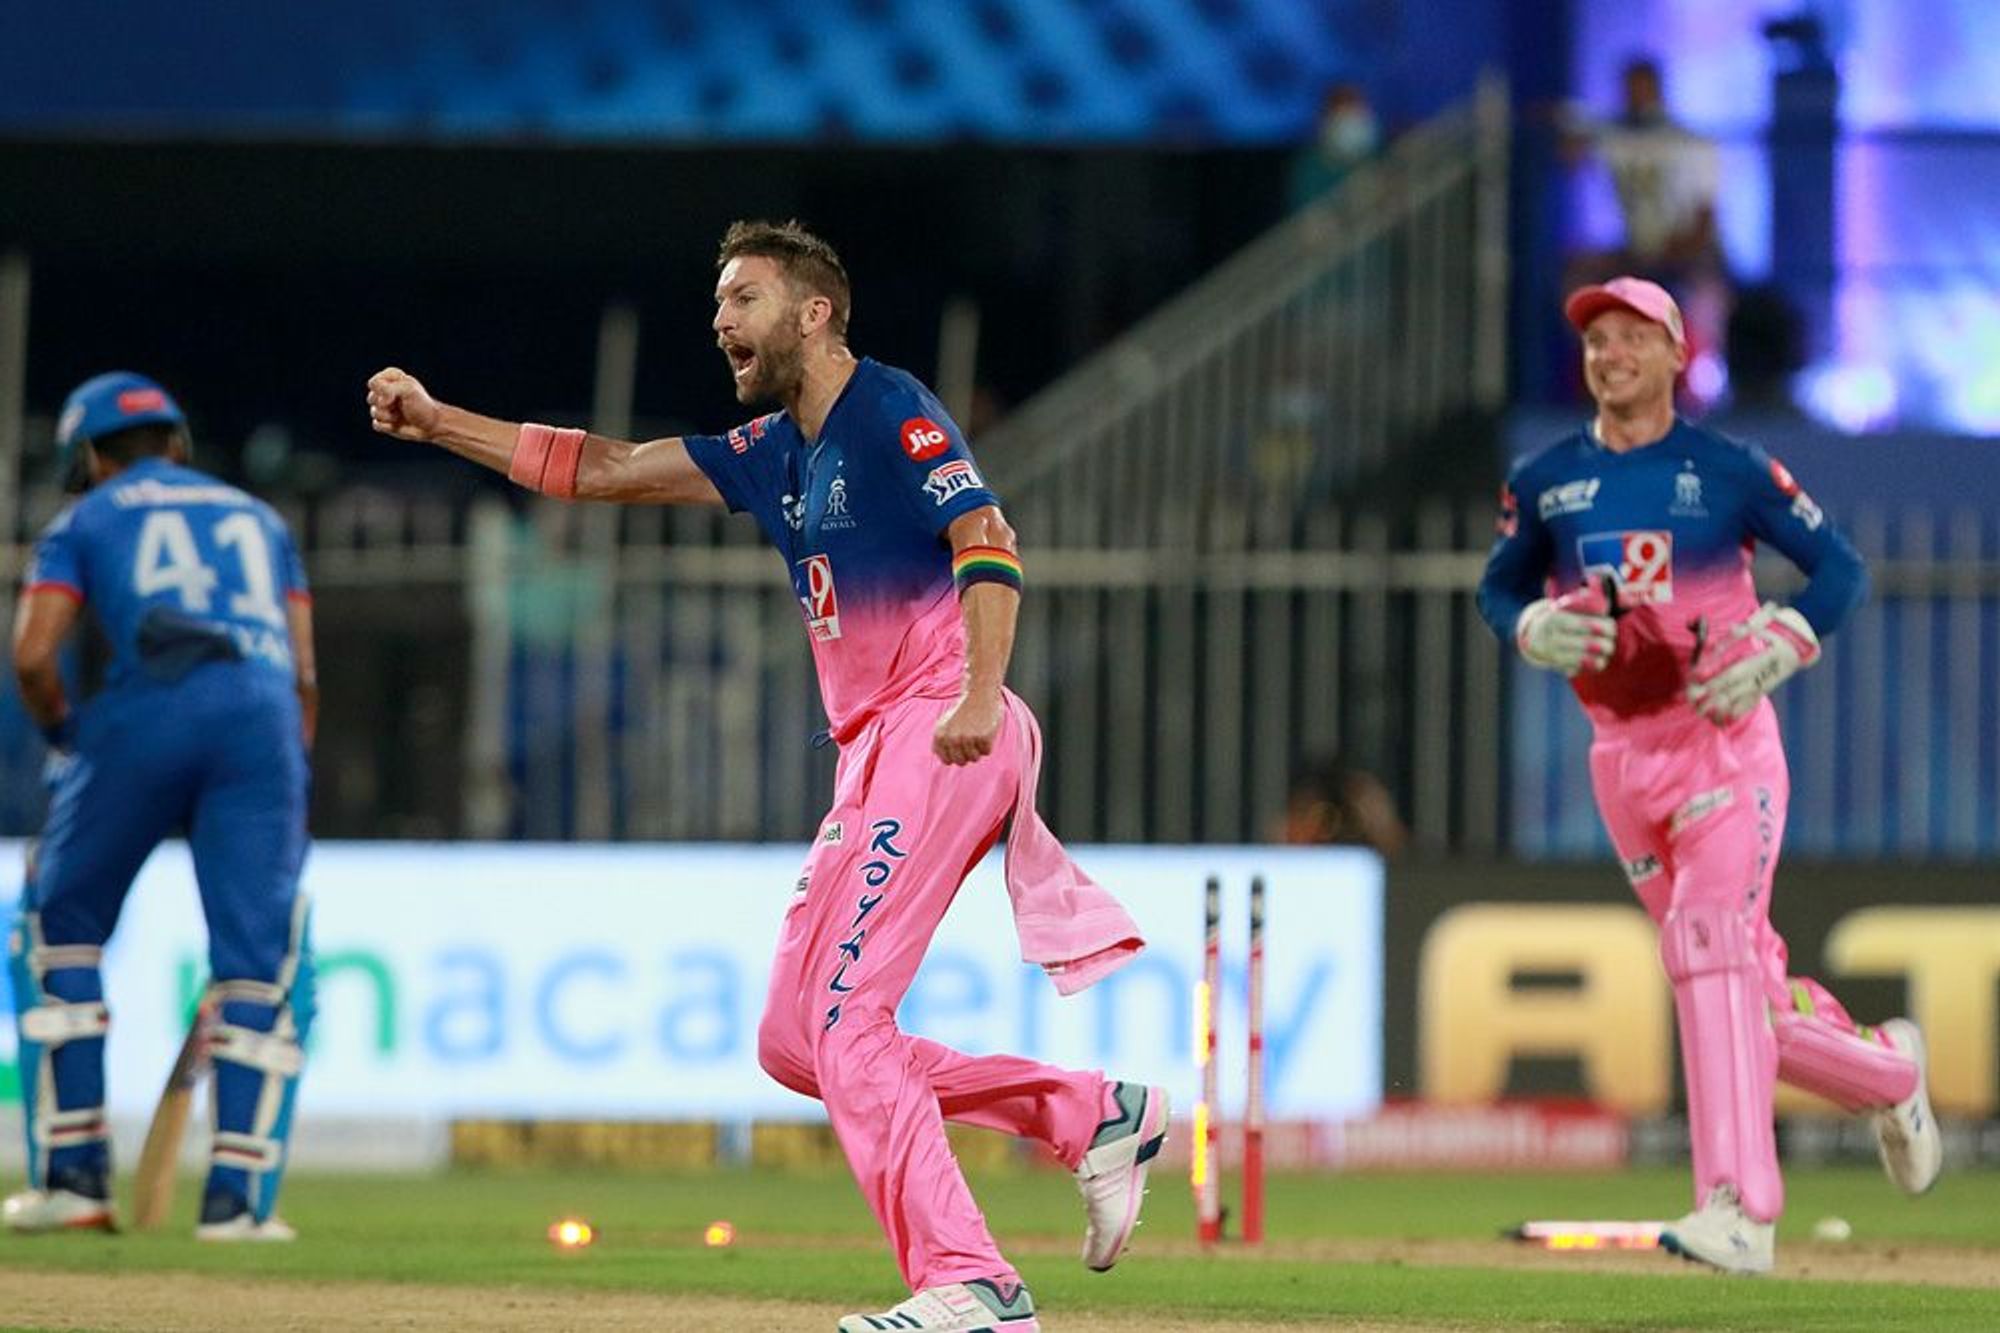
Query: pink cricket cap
[[1648, 300]]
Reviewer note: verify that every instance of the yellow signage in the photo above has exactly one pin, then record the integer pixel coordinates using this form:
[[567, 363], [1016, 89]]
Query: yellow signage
[[1498, 981]]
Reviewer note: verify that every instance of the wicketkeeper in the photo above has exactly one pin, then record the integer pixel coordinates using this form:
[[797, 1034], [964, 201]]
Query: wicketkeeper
[[1623, 562]]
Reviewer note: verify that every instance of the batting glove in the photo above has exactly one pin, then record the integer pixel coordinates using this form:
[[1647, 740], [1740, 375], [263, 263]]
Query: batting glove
[[1753, 659], [1571, 633]]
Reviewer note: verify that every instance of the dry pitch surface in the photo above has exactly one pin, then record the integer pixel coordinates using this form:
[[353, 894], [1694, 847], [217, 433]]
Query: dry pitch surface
[[186, 1303], [183, 1303]]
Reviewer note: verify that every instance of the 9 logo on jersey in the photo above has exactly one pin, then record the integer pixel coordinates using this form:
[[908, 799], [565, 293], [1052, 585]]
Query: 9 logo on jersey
[[1642, 562], [818, 598]]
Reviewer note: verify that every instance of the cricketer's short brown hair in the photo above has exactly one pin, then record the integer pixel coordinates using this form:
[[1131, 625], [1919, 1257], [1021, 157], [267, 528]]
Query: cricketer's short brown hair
[[808, 262]]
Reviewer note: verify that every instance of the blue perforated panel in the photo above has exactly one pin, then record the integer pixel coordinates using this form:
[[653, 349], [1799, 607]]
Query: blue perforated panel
[[1011, 70]]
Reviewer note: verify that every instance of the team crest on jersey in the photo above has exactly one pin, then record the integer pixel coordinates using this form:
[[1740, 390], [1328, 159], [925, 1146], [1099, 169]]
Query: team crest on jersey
[[1572, 497], [923, 439], [948, 479], [1641, 562], [836, 515], [1509, 521], [821, 603], [1687, 493]]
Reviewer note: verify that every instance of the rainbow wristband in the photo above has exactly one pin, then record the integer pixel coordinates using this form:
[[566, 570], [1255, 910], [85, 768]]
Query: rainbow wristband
[[986, 564]]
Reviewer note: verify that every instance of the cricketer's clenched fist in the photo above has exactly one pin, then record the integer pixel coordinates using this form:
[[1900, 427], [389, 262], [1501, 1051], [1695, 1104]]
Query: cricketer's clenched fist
[[399, 405]]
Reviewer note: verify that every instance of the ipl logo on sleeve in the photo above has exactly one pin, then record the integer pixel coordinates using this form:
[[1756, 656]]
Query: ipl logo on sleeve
[[1642, 562], [821, 603], [948, 479]]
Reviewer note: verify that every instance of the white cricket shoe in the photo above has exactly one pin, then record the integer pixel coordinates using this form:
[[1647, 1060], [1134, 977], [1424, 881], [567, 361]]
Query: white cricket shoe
[[978, 1306], [244, 1227], [1907, 1133], [57, 1210], [1112, 1175], [1721, 1235]]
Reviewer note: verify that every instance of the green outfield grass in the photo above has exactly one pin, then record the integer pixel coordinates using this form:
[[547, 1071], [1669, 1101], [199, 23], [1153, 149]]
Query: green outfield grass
[[807, 1237]]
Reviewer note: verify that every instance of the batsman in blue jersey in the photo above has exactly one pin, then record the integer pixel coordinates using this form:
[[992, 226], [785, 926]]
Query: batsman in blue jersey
[[202, 728]]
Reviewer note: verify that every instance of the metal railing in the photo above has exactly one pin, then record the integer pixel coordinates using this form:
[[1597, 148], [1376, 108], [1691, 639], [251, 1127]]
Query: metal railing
[[1177, 694], [1293, 372], [1181, 691], [638, 674]]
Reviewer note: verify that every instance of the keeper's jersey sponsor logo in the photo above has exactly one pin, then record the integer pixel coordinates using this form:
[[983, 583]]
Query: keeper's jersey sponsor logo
[[1572, 497], [1642, 563]]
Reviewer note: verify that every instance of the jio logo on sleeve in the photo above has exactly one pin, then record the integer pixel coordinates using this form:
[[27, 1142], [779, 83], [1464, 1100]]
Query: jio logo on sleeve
[[923, 439]]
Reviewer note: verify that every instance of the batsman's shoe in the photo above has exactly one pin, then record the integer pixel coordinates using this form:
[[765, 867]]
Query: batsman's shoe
[[1112, 1175], [981, 1305], [245, 1227], [226, 1217], [57, 1210], [1907, 1133], [1721, 1235]]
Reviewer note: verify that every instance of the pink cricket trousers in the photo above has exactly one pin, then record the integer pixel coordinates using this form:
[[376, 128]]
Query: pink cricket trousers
[[1696, 813], [904, 831]]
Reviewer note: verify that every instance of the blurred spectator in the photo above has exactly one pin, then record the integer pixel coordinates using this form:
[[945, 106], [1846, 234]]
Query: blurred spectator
[[1332, 803], [1345, 136], [1288, 438], [1665, 176], [1666, 179], [1285, 448]]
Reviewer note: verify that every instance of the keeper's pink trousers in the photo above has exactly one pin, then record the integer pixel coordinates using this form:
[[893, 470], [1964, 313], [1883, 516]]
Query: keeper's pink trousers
[[904, 831], [1696, 813]]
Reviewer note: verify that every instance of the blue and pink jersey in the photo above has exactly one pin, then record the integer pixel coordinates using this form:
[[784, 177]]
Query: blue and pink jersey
[[1675, 523], [859, 516], [178, 568]]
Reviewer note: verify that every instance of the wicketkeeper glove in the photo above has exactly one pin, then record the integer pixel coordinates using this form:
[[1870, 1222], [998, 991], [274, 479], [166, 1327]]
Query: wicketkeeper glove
[[1753, 659], [1571, 633]]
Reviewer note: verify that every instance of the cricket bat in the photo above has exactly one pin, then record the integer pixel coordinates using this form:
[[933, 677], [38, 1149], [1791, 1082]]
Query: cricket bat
[[159, 1160]]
